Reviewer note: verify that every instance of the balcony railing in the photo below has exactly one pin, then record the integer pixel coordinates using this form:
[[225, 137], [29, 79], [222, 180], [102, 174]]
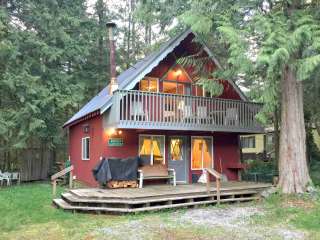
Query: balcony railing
[[148, 110]]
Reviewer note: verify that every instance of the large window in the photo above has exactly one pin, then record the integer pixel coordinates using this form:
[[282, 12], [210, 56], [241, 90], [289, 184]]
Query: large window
[[149, 84], [152, 147], [176, 149], [85, 148], [248, 142], [176, 87], [201, 155]]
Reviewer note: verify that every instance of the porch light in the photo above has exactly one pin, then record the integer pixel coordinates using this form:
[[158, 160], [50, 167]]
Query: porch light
[[111, 131], [119, 132], [178, 72]]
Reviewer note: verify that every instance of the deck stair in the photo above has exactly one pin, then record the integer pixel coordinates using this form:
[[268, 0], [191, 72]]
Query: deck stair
[[156, 197]]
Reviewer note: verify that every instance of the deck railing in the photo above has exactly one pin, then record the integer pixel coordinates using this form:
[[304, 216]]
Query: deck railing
[[54, 178], [136, 108]]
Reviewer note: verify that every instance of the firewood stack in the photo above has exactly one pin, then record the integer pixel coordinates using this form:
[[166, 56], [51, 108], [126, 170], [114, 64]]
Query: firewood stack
[[122, 184]]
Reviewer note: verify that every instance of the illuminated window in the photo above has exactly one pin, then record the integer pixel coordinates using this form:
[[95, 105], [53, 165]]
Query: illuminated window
[[149, 84], [152, 146], [201, 152], [170, 87], [176, 149]]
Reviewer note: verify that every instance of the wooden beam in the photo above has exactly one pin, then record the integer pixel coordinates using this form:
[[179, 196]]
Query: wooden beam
[[62, 172]]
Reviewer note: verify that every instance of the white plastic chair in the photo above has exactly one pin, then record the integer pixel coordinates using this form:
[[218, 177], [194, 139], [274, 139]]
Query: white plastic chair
[[137, 111], [5, 177], [202, 112], [15, 176], [231, 116]]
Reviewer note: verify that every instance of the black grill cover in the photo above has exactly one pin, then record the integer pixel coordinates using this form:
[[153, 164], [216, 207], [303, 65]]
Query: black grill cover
[[116, 169]]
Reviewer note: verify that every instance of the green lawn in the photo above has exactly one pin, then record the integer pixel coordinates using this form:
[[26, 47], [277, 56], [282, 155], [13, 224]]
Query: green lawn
[[27, 213]]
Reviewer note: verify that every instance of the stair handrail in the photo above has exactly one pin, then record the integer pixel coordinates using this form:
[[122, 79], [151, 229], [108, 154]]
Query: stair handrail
[[63, 172], [218, 177]]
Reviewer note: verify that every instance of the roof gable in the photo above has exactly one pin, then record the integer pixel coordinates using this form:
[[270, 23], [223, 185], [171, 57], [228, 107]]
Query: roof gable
[[130, 77]]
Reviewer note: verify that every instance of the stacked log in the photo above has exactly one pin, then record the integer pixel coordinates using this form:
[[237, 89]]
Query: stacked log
[[122, 184]]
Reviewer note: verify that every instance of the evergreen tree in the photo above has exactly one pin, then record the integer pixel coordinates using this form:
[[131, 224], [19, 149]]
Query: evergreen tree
[[276, 44]]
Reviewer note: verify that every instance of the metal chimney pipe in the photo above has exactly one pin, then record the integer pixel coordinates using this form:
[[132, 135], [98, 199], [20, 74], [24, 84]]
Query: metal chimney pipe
[[113, 81]]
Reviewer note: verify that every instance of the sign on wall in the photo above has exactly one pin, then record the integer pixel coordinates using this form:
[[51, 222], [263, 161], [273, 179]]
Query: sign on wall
[[115, 142]]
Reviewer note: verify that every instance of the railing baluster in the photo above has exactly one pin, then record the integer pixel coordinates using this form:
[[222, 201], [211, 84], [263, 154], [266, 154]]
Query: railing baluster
[[184, 111]]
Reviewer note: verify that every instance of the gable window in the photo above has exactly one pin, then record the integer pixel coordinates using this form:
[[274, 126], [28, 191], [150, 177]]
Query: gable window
[[85, 148], [248, 142], [152, 147], [149, 84]]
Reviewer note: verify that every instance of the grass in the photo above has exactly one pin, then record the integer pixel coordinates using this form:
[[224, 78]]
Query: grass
[[26, 213], [27, 209], [300, 212]]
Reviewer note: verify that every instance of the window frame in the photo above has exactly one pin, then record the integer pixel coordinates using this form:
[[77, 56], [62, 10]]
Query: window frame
[[164, 146], [182, 149], [245, 142], [212, 153], [149, 79], [85, 154]]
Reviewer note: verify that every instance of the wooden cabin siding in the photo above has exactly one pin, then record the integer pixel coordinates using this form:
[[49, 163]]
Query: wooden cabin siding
[[225, 147], [82, 168]]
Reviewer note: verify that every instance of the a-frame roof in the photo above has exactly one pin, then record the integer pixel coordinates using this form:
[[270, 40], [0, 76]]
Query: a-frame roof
[[130, 77]]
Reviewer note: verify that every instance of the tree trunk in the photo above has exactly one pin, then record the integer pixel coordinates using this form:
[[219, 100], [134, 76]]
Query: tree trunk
[[276, 134], [317, 124], [294, 174]]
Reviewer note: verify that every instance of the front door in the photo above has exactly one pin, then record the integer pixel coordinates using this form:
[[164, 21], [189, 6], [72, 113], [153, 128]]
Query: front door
[[177, 158]]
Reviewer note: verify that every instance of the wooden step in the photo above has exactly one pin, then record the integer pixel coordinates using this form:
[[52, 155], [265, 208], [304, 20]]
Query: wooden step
[[71, 198], [66, 206]]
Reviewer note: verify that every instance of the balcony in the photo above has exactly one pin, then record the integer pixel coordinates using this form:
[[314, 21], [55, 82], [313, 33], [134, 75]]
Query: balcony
[[148, 110]]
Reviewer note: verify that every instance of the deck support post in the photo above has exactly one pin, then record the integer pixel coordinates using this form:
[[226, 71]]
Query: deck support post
[[218, 181], [207, 181], [218, 185], [54, 187], [70, 180]]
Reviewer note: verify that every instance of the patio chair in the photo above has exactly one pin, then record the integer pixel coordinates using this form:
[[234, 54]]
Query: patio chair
[[137, 112], [5, 177], [202, 114], [187, 113], [15, 176], [231, 116]]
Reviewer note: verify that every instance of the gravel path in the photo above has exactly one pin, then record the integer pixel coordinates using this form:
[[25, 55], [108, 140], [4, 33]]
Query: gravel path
[[232, 222]]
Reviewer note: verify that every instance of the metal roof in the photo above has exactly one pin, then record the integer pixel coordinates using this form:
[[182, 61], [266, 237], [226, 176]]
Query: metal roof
[[130, 77]]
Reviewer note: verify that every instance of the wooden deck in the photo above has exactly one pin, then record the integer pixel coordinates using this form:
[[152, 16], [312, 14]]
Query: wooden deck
[[155, 197]]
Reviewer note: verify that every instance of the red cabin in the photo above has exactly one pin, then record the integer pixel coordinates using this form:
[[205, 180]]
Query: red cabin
[[160, 112]]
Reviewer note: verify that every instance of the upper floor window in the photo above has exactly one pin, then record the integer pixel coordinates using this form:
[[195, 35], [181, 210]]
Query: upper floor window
[[85, 148], [149, 84]]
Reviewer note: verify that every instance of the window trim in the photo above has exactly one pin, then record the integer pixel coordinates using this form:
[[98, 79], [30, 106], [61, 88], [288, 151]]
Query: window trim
[[181, 150], [212, 153], [164, 146], [248, 138], [83, 148], [150, 78]]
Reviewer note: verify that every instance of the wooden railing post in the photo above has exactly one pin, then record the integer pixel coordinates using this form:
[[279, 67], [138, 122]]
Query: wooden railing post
[[218, 185], [70, 180], [54, 187], [207, 181], [218, 182], [54, 178]]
